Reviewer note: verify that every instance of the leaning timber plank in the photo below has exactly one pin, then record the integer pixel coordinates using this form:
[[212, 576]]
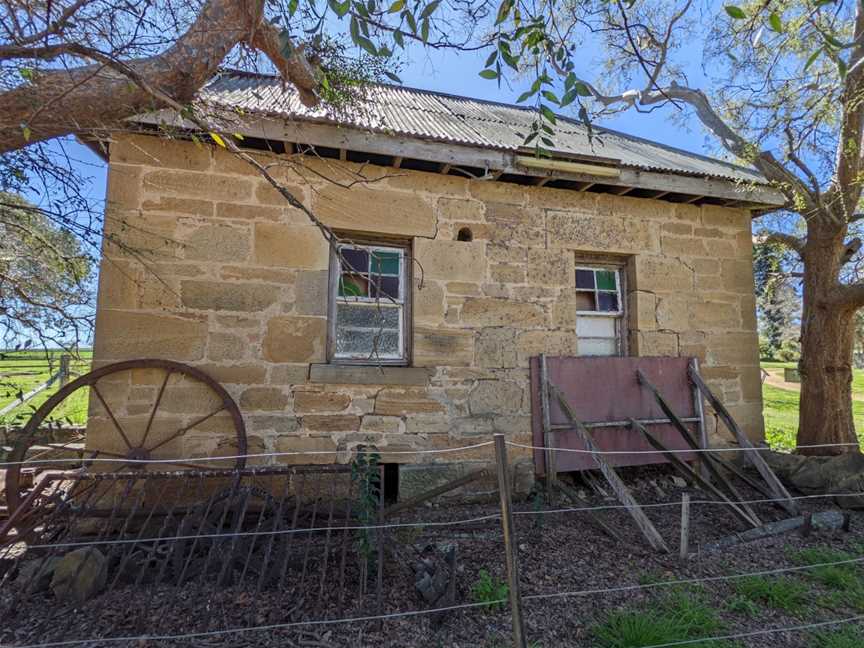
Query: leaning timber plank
[[774, 483], [693, 475], [823, 521], [453, 484], [712, 463], [621, 491], [574, 497]]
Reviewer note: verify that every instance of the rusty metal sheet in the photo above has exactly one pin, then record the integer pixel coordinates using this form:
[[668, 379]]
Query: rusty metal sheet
[[604, 389]]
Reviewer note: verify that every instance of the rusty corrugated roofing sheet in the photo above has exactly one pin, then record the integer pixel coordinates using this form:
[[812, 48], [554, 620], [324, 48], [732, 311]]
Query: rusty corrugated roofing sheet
[[447, 118]]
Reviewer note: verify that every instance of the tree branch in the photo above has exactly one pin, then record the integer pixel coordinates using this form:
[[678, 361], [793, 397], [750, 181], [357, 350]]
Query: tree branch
[[108, 97], [787, 240]]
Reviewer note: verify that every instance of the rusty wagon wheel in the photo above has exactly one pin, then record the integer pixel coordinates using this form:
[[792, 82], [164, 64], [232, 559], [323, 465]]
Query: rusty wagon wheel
[[152, 399]]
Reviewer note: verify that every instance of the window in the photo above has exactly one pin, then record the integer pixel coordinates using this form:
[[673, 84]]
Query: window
[[600, 310], [369, 299]]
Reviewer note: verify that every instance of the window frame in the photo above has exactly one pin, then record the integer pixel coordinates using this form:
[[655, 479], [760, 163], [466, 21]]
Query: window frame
[[333, 299], [620, 316]]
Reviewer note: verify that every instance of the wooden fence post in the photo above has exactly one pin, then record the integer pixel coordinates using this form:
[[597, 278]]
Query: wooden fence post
[[64, 369], [509, 545], [685, 526]]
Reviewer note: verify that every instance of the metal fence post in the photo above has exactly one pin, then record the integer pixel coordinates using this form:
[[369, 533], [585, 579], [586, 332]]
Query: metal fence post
[[509, 545]]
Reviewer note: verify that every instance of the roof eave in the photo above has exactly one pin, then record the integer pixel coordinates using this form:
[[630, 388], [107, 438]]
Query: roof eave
[[496, 161]]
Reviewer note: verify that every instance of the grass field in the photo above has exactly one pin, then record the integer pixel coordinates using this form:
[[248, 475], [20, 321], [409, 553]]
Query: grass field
[[780, 406], [23, 371]]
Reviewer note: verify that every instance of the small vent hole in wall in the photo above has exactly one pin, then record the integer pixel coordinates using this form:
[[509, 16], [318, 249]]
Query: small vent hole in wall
[[465, 234]]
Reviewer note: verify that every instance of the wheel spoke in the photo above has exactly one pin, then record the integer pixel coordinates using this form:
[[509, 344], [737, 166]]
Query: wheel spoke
[[111, 415], [185, 429], [113, 455], [155, 407], [190, 465]]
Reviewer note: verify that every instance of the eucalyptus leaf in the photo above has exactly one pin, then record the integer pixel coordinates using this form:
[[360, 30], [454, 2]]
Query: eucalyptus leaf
[[812, 59], [775, 23], [503, 11], [548, 114], [735, 12], [429, 9], [489, 74]]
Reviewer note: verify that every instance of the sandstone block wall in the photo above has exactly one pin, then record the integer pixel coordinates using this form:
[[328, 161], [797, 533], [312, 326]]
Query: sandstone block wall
[[221, 274]]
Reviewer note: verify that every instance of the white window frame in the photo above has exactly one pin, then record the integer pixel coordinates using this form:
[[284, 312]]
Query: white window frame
[[403, 303], [619, 316]]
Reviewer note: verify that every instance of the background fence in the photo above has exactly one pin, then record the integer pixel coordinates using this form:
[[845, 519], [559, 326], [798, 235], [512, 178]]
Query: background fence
[[28, 378]]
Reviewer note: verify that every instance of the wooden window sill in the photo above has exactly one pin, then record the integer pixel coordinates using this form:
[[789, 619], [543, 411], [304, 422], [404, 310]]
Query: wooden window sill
[[368, 375]]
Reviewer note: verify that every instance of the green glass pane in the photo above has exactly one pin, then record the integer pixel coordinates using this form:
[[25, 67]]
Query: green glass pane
[[353, 286], [605, 280], [385, 263]]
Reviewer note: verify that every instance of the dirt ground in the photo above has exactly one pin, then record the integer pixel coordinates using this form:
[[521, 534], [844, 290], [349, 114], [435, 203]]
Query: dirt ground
[[558, 551]]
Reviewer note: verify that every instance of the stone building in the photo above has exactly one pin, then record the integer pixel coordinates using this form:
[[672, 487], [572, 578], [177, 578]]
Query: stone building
[[465, 255]]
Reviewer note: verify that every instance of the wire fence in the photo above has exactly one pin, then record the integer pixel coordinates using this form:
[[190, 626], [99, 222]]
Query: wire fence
[[293, 534], [29, 378]]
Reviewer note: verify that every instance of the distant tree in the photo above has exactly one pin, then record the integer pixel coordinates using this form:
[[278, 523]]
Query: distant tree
[[778, 305], [46, 290]]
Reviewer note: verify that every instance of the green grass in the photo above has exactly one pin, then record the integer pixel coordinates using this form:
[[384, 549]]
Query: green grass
[[780, 409], [838, 577], [22, 371], [850, 636], [783, 593], [681, 615]]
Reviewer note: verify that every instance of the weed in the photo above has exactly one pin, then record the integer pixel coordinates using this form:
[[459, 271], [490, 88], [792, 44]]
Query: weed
[[848, 637], [838, 577], [782, 593], [651, 578], [489, 590], [367, 478], [682, 615], [738, 604]]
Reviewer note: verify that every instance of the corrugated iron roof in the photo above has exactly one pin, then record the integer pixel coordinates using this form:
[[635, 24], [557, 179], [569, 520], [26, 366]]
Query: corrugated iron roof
[[473, 122]]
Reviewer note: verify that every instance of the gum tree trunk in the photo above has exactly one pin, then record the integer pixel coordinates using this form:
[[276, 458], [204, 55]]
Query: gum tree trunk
[[827, 337]]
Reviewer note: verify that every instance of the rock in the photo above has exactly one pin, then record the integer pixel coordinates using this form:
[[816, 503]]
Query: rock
[[782, 463], [678, 482], [825, 474], [79, 575], [852, 484], [35, 575]]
